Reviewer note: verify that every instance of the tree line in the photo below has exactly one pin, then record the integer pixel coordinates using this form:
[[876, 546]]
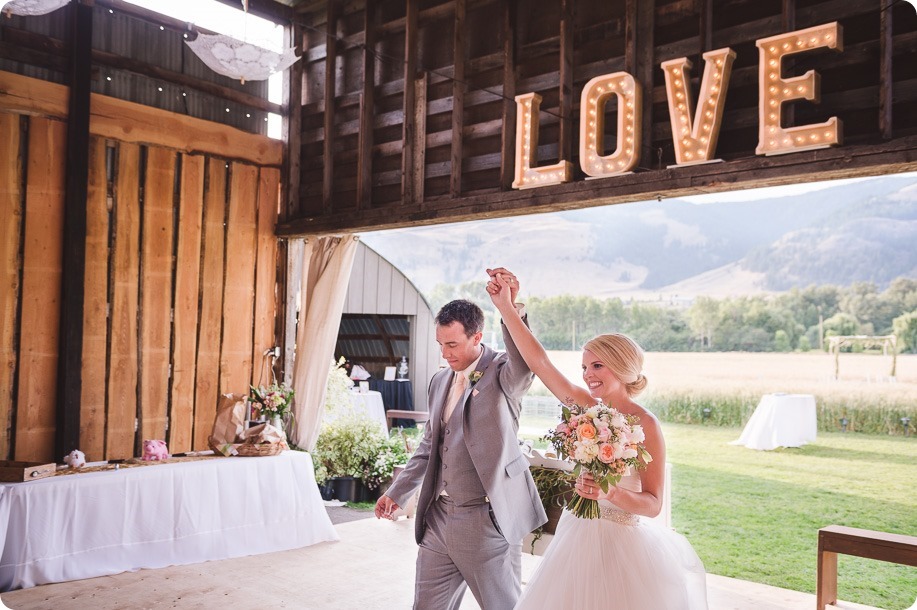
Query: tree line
[[797, 320]]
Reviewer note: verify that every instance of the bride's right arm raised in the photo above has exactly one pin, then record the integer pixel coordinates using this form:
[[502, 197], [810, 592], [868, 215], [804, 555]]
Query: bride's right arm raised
[[531, 349]]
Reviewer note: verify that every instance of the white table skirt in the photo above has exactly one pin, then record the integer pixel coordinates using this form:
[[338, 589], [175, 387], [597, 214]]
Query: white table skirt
[[781, 420], [368, 404], [100, 523]]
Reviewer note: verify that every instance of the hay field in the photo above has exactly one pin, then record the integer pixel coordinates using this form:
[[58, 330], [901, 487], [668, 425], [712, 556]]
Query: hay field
[[865, 376]]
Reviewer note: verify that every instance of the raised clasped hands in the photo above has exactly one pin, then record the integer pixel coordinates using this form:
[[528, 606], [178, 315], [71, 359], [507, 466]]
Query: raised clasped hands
[[500, 280]]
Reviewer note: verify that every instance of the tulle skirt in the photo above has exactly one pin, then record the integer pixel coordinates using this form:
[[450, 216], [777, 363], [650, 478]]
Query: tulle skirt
[[609, 564]]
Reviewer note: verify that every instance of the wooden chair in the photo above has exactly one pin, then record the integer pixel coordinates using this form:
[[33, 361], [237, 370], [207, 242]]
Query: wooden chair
[[834, 539], [418, 416]]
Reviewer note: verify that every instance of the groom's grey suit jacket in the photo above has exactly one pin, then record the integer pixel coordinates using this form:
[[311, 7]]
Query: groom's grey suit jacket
[[490, 422]]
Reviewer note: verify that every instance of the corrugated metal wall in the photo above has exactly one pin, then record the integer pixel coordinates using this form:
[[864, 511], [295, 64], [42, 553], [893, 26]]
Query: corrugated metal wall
[[378, 287]]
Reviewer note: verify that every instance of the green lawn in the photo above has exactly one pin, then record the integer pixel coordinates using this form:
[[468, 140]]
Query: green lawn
[[755, 515]]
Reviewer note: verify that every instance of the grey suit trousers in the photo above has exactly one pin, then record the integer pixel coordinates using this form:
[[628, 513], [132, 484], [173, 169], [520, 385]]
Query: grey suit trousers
[[463, 545]]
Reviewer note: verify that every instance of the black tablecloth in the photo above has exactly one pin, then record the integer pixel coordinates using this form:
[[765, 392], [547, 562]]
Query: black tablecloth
[[398, 395]]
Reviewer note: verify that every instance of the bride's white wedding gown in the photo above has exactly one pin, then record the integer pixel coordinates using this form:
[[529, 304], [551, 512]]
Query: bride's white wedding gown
[[620, 562]]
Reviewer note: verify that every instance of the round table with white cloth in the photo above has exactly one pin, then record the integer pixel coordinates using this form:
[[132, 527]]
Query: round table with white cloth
[[780, 420]]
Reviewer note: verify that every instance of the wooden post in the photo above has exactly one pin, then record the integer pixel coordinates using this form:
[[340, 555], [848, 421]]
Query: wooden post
[[508, 135], [69, 365], [567, 126], [365, 136], [458, 99], [292, 127], [408, 103], [886, 80], [330, 71]]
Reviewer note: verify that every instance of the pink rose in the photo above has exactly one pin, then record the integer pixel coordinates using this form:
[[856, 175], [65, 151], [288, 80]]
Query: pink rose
[[604, 433], [606, 453], [562, 429]]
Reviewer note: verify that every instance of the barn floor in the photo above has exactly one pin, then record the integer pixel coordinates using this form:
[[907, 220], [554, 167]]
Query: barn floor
[[371, 567]]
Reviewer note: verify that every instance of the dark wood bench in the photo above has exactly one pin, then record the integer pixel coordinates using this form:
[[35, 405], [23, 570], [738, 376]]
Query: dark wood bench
[[418, 416], [835, 539]]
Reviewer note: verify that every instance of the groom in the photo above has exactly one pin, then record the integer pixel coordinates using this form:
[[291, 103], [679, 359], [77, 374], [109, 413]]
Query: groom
[[478, 499]]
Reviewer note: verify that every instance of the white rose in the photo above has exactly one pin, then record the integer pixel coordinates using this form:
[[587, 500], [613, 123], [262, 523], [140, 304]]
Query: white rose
[[618, 420], [637, 435], [630, 452]]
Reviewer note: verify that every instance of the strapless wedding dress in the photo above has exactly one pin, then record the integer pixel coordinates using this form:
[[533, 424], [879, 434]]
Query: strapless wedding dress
[[620, 562]]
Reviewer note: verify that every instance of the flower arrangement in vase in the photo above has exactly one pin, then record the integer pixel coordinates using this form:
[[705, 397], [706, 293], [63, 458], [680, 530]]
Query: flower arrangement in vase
[[273, 402]]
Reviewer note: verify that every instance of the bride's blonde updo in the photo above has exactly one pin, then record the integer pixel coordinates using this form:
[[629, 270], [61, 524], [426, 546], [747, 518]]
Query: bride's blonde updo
[[623, 356]]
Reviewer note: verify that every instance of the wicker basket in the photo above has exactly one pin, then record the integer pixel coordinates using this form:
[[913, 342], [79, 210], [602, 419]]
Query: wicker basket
[[253, 450]]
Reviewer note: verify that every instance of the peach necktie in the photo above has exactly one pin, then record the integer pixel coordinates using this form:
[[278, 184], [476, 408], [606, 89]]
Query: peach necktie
[[455, 394]]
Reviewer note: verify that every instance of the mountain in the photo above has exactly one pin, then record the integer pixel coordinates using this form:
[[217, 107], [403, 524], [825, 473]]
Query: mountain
[[840, 233]]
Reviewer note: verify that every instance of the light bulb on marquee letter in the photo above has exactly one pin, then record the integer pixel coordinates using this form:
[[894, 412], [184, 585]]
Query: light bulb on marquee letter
[[527, 106], [592, 125], [775, 90], [695, 140]]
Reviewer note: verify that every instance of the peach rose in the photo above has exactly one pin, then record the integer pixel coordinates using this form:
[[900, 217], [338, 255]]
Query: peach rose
[[586, 431]]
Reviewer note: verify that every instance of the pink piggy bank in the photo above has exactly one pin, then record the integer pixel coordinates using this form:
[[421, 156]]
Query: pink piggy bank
[[155, 450]]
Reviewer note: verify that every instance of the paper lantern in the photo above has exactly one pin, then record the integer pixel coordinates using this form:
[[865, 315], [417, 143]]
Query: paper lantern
[[237, 59], [31, 7]]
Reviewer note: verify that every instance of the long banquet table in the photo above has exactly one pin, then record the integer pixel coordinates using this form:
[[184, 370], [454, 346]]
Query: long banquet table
[[69, 527]]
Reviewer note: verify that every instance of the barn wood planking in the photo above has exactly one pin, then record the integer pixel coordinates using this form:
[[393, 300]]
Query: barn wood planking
[[41, 286], [187, 286]]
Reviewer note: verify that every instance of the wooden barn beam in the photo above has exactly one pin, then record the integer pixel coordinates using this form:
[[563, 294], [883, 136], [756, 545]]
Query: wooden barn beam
[[508, 133], [458, 99], [567, 125], [420, 137], [706, 26], [328, 135], [409, 125], [899, 155], [69, 363], [367, 104], [644, 64], [788, 23]]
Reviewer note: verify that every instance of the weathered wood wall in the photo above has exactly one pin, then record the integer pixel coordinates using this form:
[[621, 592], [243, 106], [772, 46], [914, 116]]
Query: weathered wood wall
[[421, 129], [180, 288]]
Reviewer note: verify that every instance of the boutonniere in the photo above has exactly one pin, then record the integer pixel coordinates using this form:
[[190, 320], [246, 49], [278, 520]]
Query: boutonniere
[[475, 376]]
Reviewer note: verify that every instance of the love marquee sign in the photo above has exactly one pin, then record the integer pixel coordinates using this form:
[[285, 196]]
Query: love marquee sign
[[694, 129]]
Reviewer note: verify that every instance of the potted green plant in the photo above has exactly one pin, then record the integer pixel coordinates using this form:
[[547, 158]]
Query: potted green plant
[[353, 458]]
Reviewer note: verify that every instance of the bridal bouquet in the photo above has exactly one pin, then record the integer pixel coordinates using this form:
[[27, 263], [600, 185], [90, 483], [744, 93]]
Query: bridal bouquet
[[601, 440]]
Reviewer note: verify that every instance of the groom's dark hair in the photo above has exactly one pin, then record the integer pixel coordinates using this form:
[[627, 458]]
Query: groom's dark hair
[[464, 312]]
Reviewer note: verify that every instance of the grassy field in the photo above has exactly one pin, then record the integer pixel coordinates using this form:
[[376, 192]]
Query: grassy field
[[754, 515]]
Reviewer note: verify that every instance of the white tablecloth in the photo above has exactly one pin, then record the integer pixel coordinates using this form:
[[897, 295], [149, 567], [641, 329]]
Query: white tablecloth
[[368, 405], [100, 523], [780, 420]]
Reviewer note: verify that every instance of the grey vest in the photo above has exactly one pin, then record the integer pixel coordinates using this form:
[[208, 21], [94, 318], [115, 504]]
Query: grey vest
[[457, 475]]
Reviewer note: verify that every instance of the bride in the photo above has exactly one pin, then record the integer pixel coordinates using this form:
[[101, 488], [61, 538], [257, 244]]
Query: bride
[[621, 560]]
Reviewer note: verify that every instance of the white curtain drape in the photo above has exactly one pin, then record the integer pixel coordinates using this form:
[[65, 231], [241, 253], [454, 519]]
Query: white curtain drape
[[327, 262]]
